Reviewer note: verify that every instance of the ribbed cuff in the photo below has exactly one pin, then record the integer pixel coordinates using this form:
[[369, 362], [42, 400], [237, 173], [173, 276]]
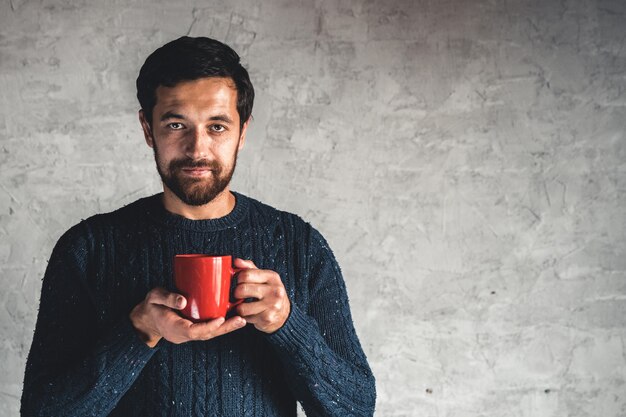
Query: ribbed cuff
[[124, 356], [124, 342], [127, 326], [296, 333]]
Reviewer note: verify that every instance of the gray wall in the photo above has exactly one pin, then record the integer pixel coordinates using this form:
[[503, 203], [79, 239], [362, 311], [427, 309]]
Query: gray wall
[[465, 159]]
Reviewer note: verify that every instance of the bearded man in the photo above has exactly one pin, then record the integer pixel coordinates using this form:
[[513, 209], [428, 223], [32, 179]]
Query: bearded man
[[109, 340]]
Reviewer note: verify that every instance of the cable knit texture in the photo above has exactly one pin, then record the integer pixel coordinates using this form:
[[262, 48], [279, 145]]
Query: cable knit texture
[[87, 360]]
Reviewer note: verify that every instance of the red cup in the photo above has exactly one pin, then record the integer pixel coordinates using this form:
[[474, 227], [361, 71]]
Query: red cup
[[205, 281]]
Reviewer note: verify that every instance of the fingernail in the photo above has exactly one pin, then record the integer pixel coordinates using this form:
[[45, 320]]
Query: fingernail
[[180, 301]]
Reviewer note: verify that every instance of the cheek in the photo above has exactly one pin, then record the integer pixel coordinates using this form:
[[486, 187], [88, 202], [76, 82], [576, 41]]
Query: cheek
[[162, 154], [224, 150], [166, 148], [232, 153]]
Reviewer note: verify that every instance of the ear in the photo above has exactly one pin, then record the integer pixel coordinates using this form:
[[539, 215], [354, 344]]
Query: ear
[[147, 130], [242, 136]]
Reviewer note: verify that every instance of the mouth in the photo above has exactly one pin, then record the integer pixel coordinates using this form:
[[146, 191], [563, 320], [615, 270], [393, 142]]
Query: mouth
[[196, 172]]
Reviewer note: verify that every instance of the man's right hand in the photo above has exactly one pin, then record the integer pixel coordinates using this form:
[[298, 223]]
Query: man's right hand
[[154, 318]]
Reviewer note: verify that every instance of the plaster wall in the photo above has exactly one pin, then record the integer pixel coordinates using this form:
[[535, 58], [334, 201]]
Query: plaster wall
[[466, 160]]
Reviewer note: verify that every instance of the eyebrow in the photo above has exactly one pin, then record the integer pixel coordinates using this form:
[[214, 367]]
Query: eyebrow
[[218, 117], [171, 115], [221, 118]]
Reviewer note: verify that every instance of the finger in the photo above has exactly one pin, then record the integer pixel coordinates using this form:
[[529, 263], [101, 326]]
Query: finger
[[246, 310], [255, 318], [250, 290], [258, 276], [269, 320], [180, 331], [170, 325], [205, 326], [244, 263], [165, 298], [273, 299], [169, 320], [230, 325], [210, 329], [264, 321]]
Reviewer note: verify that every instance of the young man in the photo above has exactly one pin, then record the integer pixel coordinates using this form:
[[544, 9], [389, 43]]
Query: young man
[[108, 339]]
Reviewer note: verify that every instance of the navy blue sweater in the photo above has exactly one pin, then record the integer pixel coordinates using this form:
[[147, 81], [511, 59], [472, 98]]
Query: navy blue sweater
[[87, 360]]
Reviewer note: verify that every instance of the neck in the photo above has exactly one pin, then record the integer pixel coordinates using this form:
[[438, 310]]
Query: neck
[[220, 206]]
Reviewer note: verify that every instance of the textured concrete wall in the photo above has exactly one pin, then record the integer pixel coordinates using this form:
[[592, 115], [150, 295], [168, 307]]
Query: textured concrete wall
[[466, 160]]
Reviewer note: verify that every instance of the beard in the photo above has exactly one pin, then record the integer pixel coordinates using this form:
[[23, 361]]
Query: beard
[[194, 191]]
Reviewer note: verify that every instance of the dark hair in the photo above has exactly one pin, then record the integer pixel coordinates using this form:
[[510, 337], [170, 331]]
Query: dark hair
[[187, 59]]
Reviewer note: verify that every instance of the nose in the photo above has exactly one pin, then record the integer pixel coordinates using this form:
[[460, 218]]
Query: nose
[[197, 144]]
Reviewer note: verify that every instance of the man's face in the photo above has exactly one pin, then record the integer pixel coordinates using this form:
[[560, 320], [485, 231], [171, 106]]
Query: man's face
[[195, 136]]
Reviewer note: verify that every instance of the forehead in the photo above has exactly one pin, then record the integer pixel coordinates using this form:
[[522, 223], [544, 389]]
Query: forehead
[[204, 93]]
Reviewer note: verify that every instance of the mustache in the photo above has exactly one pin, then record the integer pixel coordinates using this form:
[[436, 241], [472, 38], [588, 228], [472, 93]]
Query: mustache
[[179, 164]]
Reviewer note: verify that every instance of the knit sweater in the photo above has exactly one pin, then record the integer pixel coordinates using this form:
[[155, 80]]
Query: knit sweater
[[87, 359]]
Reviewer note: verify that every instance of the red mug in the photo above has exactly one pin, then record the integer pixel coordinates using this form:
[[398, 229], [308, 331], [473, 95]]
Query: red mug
[[205, 281]]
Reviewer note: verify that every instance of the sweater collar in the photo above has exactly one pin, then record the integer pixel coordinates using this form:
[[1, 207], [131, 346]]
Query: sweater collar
[[155, 210]]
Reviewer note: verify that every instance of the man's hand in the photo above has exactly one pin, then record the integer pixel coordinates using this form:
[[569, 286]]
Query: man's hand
[[272, 306], [155, 318]]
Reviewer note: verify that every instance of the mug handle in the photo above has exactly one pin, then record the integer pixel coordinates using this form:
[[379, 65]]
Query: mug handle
[[234, 272]]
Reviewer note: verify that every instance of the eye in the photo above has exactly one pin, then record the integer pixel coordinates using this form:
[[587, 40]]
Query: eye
[[175, 126], [218, 128]]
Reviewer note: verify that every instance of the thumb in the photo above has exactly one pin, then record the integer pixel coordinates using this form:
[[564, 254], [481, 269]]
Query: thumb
[[244, 264], [169, 299]]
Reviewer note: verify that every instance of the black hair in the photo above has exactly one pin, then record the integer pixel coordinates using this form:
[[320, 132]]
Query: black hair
[[188, 59]]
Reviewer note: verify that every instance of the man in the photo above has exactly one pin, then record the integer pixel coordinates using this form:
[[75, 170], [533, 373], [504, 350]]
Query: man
[[108, 339]]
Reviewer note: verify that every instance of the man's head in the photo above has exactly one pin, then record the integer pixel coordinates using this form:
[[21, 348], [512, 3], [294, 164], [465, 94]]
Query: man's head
[[187, 59], [196, 102]]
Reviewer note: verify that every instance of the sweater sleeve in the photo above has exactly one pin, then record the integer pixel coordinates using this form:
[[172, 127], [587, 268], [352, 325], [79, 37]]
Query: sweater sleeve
[[75, 368], [321, 354]]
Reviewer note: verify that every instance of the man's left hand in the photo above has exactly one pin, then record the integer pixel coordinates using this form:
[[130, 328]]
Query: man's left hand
[[271, 307]]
